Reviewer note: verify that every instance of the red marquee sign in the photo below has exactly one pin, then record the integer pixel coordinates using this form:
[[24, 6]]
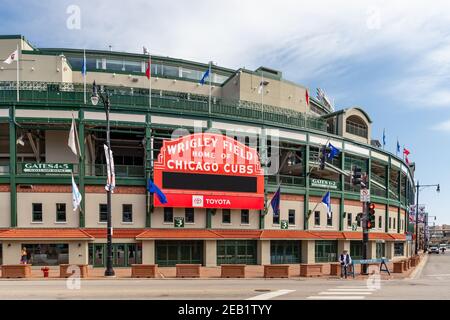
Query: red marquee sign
[[207, 170]]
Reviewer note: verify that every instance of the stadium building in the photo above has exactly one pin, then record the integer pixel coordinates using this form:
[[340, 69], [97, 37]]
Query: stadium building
[[215, 211]]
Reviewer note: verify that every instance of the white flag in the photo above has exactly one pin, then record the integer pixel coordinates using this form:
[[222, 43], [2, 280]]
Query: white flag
[[76, 195], [72, 138], [12, 57], [111, 180]]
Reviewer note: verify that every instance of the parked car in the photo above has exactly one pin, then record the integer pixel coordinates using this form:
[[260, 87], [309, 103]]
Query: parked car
[[433, 249]]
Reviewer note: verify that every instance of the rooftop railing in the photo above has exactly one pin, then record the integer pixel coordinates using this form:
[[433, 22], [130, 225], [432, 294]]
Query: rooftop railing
[[171, 102]]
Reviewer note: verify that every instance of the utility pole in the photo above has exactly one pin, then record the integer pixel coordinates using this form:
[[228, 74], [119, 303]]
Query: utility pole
[[365, 219]]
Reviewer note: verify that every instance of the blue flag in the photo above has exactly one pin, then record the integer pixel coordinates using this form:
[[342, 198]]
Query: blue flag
[[384, 137], [398, 146], [275, 202], [203, 79], [326, 200], [153, 188], [83, 67], [334, 152]]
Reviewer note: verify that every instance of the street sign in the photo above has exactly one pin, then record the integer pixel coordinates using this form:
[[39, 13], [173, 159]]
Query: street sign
[[284, 224], [178, 222], [364, 195], [56, 168]]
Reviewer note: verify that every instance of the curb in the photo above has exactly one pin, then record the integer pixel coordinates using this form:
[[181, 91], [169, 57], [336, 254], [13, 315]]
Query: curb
[[418, 270]]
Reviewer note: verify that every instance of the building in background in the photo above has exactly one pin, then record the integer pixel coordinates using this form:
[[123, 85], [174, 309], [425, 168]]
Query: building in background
[[206, 221]]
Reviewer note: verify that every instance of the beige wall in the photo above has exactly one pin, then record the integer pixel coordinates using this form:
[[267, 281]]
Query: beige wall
[[323, 217], [78, 250], [342, 126], [56, 149], [354, 210], [216, 220], [125, 80], [285, 206], [263, 252], [25, 202], [308, 251], [148, 252], [93, 200], [199, 218], [210, 253], [5, 210]]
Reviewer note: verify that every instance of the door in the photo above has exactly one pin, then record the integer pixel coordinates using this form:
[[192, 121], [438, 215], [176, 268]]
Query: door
[[119, 257], [99, 255]]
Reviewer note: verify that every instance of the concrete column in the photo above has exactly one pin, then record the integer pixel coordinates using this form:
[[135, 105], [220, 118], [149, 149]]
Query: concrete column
[[372, 250], [78, 252], [308, 251], [263, 250], [11, 252], [343, 245], [210, 253], [389, 249], [148, 252]]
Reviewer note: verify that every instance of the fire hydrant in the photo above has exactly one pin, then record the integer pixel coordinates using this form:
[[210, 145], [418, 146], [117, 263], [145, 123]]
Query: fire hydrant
[[45, 270]]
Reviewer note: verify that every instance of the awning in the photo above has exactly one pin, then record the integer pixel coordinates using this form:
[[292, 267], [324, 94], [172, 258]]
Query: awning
[[100, 233], [177, 234], [288, 235], [45, 234]]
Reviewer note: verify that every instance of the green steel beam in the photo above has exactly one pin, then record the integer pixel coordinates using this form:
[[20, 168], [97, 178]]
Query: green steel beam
[[306, 198], [148, 170], [12, 167], [82, 169]]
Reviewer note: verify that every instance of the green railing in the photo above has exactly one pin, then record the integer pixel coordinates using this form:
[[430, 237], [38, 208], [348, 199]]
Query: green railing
[[287, 180], [72, 94], [100, 170]]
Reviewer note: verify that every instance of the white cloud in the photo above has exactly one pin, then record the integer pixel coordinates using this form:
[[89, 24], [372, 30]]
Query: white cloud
[[443, 126]]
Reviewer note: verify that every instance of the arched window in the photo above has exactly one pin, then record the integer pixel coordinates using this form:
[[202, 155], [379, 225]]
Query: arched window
[[357, 126]]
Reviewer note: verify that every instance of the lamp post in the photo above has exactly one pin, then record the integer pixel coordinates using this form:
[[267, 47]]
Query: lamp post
[[418, 186], [104, 96]]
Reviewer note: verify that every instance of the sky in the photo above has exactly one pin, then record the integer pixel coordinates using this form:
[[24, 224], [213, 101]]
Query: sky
[[392, 58]]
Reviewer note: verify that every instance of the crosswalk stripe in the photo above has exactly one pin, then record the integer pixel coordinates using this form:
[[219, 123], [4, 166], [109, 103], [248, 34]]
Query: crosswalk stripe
[[336, 297], [270, 295], [343, 290], [352, 293]]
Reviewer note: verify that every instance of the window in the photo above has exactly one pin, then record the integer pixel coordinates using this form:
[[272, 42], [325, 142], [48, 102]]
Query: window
[[355, 125], [356, 249], [60, 212], [330, 219], [358, 222], [399, 249], [103, 212], [189, 215], [349, 219], [276, 218], [37, 212], [326, 251], [282, 251], [317, 218], [168, 214], [47, 254], [380, 222], [380, 250], [236, 251], [390, 222], [394, 224], [244, 216], [291, 216], [127, 213], [226, 216]]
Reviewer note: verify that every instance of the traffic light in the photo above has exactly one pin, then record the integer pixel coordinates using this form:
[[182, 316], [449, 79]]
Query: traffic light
[[356, 176], [371, 218]]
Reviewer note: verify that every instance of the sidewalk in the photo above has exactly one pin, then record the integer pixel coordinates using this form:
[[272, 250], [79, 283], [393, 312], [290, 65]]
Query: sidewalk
[[252, 272]]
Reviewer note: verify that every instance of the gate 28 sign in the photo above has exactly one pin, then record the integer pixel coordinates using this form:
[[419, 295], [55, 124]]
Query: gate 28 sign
[[207, 170]]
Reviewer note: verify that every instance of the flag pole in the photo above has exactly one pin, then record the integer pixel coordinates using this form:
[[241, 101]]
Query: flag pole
[[262, 96], [18, 67], [150, 78], [209, 99], [84, 75]]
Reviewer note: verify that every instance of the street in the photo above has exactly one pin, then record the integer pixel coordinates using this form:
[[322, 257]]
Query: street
[[433, 282]]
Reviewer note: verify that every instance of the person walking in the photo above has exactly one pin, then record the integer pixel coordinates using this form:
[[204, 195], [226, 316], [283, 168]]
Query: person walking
[[24, 256], [345, 261]]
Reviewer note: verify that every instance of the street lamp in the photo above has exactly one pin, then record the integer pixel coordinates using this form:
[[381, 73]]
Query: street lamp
[[104, 96], [418, 186]]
